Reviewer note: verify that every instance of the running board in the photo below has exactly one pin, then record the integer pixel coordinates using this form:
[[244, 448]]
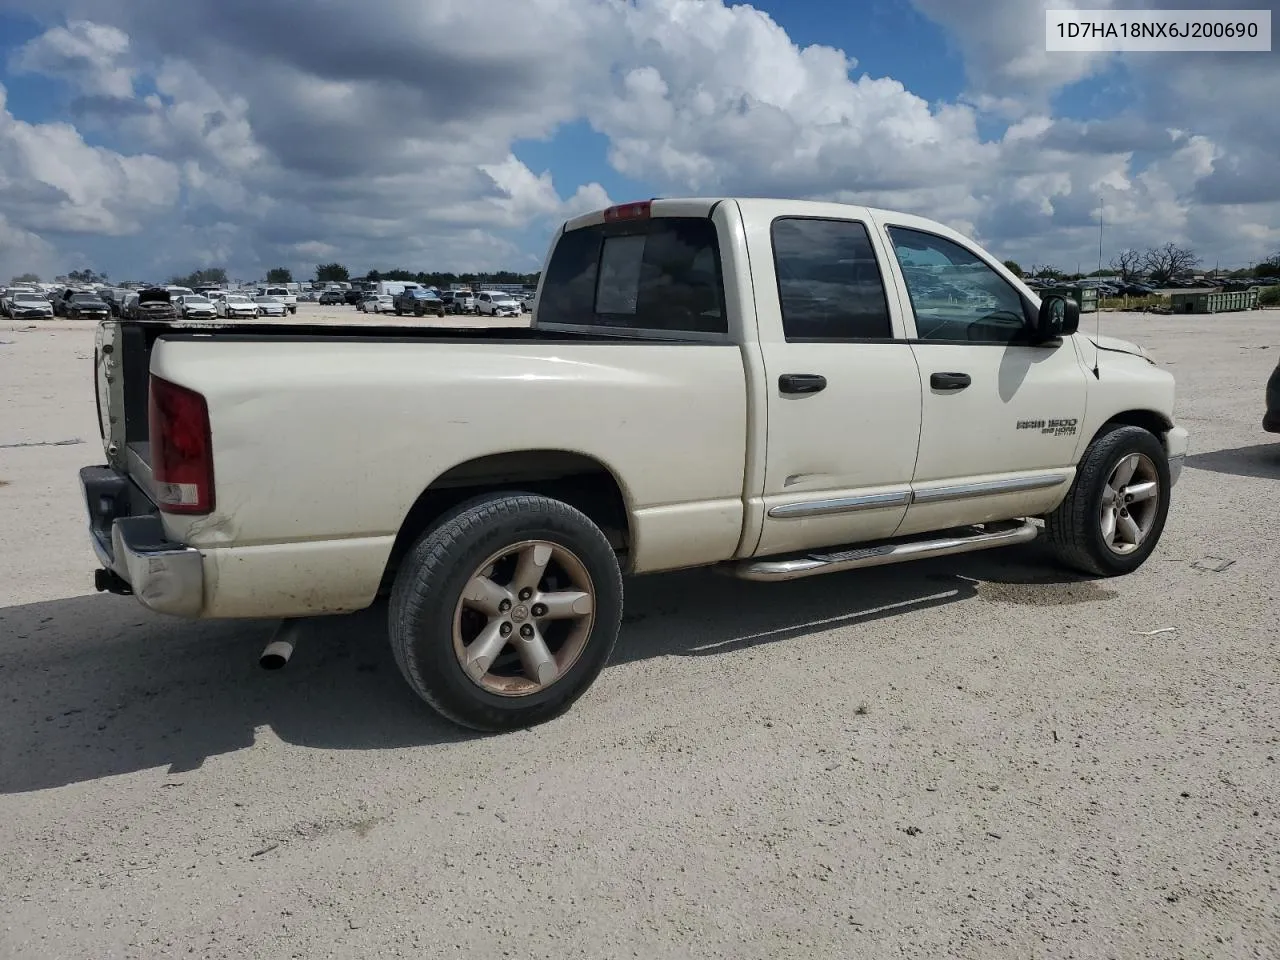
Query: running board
[[966, 540]]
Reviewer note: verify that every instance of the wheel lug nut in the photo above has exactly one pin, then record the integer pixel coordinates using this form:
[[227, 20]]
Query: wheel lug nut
[[526, 593], [526, 631], [505, 629], [504, 606], [539, 609]]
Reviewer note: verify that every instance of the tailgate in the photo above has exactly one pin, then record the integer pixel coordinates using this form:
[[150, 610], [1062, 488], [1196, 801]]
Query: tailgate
[[121, 365]]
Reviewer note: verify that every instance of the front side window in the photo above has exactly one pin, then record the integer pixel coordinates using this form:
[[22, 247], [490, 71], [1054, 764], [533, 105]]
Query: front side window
[[661, 274], [954, 294], [829, 284]]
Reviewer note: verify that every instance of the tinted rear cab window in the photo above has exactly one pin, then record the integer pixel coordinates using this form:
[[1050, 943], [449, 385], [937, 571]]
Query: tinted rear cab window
[[660, 275]]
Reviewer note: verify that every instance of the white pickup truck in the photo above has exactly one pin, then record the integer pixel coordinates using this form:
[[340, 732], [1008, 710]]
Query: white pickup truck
[[774, 388]]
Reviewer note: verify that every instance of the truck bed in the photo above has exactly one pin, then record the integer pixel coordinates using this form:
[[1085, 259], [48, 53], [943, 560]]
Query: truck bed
[[133, 340]]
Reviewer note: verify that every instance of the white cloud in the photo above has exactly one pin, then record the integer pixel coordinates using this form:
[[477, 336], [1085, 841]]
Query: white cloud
[[87, 54], [52, 181], [1003, 44]]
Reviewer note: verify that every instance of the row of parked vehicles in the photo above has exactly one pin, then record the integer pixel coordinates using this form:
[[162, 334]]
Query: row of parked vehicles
[[169, 302], [420, 301], [1121, 288]]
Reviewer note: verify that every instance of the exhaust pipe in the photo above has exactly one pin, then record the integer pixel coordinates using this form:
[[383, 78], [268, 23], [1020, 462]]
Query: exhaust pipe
[[277, 653]]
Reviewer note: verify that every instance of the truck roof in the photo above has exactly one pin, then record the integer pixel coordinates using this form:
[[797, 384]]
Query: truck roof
[[703, 206]]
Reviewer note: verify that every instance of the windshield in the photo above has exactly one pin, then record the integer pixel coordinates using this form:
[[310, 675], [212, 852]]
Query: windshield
[[265, 300], [28, 298], [277, 292], [233, 298], [85, 298], [195, 300]]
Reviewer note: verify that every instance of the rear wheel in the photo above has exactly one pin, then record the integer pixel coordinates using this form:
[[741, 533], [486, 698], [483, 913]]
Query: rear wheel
[[1116, 509], [505, 612]]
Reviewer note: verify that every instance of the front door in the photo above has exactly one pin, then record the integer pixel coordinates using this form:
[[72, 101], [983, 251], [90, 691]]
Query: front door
[[843, 388], [1000, 417]]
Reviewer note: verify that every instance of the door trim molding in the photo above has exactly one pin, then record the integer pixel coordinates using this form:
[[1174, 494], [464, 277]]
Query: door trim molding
[[877, 501], [986, 488], [822, 508]]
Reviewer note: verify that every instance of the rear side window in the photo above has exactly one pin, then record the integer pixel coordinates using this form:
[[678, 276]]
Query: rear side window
[[829, 283], [661, 274]]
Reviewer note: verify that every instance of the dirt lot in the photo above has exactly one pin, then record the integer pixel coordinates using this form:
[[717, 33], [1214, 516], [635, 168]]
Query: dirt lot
[[975, 757]]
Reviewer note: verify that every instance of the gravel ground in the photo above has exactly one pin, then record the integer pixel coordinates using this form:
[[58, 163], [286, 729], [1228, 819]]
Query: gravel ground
[[976, 757]]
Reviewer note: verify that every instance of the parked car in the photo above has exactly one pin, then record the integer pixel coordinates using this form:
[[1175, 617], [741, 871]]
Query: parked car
[[1137, 290], [149, 303], [462, 301], [418, 302], [507, 479], [236, 306], [282, 294], [353, 296], [28, 306], [62, 300], [270, 306], [195, 307], [495, 303], [86, 306], [331, 297], [1271, 417], [377, 303], [9, 294]]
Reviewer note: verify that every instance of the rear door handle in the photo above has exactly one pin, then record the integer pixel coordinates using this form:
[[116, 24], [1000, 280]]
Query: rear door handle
[[949, 381], [802, 383]]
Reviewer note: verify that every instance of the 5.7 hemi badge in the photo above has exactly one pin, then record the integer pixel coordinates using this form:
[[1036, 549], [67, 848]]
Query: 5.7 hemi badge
[[1055, 428]]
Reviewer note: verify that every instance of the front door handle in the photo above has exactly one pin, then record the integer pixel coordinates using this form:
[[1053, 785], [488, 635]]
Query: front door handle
[[802, 383], [949, 381]]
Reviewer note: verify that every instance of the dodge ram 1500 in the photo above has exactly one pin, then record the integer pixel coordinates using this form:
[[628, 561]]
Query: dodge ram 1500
[[774, 388]]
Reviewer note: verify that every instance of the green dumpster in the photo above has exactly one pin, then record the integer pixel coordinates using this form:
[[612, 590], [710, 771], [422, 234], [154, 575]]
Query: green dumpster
[[1086, 297], [1215, 301]]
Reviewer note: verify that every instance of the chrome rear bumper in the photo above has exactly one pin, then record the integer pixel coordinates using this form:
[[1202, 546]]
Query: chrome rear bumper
[[129, 540]]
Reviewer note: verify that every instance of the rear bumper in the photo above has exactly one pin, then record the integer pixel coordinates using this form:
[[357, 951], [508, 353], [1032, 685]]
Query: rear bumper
[[129, 540]]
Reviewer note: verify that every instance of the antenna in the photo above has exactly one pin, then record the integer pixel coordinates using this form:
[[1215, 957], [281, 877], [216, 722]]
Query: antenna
[[1097, 307]]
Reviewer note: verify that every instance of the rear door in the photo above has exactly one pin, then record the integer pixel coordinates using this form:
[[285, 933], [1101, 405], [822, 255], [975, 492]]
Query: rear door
[[1000, 415], [842, 387]]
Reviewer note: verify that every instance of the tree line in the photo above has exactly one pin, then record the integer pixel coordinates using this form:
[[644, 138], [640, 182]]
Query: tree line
[[338, 273]]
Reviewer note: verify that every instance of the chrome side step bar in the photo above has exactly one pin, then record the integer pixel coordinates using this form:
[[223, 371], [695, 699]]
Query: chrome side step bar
[[812, 564]]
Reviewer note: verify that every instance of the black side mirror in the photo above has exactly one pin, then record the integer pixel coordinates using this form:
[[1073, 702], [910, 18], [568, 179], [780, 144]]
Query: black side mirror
[[1059, 316]]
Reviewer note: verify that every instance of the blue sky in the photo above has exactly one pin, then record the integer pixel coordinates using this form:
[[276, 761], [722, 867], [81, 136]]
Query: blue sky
[[143, 137]]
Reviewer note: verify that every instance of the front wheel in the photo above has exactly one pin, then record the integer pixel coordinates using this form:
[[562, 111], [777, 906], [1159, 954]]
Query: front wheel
[[505, 612], [1115, 511]]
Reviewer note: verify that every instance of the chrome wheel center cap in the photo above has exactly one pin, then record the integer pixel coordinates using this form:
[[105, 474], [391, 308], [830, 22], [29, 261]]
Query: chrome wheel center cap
[[519, 613]]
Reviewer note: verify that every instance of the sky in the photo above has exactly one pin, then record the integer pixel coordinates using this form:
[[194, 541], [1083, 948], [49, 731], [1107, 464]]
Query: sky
[[147, 138]]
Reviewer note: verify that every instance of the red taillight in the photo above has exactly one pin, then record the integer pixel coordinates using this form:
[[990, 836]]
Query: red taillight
[[181, 448], [640, 210]]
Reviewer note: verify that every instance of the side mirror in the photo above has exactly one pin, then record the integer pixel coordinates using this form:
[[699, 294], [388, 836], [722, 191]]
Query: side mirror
[[1059, 316]]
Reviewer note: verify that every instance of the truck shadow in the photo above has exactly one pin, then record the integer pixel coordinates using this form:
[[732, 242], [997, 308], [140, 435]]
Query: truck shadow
[[1259, 460], [96, 686]]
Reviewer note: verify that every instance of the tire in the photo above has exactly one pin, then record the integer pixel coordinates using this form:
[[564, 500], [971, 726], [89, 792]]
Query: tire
[[1077, 531], [433, 626]]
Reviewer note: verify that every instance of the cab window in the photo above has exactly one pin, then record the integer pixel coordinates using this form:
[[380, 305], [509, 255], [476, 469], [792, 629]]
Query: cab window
[[829, 283], [954, 294]]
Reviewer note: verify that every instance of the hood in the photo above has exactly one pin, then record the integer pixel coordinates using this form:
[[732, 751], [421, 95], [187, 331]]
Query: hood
[[94, 304], [1116, 345]]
